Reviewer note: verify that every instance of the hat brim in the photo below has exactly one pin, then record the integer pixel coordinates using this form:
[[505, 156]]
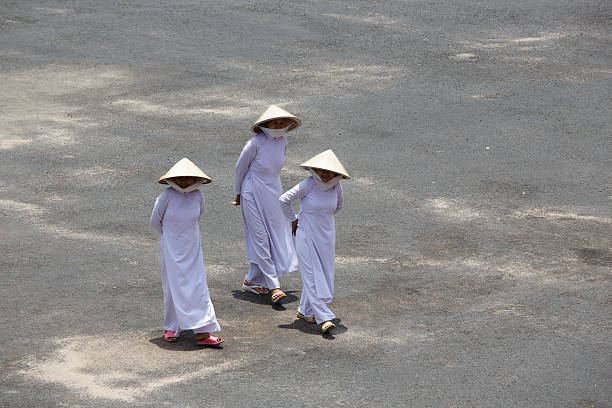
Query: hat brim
[[326, 160], [204, 179], [185, 168], [344, 176], [296, 123]]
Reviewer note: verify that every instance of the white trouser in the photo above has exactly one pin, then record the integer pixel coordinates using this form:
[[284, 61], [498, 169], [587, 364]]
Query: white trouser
[[171, 319], [263, 271], [310, 304]]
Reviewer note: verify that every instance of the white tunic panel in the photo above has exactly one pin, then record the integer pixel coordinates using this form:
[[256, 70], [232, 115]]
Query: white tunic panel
[[176, 218]]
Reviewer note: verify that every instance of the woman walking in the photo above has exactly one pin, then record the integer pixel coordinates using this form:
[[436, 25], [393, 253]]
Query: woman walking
[[320, 198], [175, 217], [257, 185]]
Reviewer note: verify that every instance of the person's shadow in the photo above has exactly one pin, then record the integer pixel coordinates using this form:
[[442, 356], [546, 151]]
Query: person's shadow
[[265, 299], [185, 342], [313, 328]]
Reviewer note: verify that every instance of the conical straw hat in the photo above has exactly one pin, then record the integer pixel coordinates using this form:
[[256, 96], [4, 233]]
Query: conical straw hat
[[274, 112], [326, 161], [184, 168]]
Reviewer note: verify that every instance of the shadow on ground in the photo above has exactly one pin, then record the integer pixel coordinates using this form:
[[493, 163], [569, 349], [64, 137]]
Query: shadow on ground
[[265, 299], [312, 328]]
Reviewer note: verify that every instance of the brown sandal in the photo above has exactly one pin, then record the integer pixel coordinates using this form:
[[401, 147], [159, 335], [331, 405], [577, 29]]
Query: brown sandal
[[309, 319], [259, 290], [327, 326], [276, 297]]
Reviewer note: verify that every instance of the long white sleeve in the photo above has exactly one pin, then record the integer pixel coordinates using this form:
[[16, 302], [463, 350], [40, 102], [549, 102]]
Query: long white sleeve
[[296, 193], [159, 209], [340, 199], [242, 165]]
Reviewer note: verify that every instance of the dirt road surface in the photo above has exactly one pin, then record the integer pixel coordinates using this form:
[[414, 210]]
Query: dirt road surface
[[474, 251]]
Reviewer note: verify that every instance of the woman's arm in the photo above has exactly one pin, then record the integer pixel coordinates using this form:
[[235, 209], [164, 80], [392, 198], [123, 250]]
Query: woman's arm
[[296, 193], [242, 166], [159, 209], [340, 201]]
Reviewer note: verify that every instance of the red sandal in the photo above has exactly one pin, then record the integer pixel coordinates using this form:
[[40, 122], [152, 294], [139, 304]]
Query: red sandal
[[210, 341], [169, 336]]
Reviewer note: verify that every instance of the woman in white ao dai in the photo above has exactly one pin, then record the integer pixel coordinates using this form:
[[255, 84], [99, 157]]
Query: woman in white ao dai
[[315, 240], [257, 185], [175, 217]]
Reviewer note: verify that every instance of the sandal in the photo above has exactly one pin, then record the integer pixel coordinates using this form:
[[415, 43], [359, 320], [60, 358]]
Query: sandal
[[276, 297], [259, 290], [327, 326], [210, 341], [309, 319], [169, 336]]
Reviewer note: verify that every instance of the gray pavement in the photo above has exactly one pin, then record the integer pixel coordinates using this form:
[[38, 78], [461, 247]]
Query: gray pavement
[[474, 252]]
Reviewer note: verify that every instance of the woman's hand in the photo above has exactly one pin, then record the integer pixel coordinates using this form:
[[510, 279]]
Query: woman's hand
[[294, 227], [236, 200]]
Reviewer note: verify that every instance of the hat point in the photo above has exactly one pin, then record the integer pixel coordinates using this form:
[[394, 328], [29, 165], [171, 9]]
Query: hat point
[[276, 112], [184, 168], [326, 160]]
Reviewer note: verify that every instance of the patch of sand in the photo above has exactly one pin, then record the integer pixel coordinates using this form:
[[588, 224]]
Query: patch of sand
[[145, 107], [123, 369], [36, 216], [558, 214], [454, 208]]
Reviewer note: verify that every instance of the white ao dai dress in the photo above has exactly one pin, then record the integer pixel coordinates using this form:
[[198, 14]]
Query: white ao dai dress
[[269, 245], [315, 244], [187, 302]]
